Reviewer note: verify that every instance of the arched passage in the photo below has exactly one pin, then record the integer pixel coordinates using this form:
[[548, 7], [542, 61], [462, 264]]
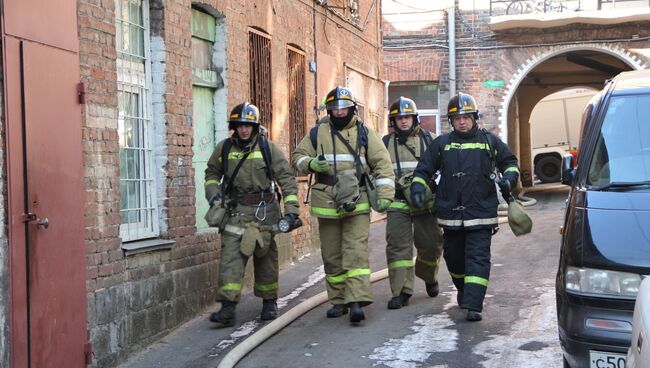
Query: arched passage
[[552, 70]]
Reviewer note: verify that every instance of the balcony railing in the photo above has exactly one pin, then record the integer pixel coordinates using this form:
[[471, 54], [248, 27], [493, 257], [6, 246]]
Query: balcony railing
[[516, 7]]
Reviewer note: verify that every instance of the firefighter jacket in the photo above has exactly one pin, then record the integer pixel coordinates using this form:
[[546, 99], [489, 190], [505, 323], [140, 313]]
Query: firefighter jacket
[[373, 157], [466, 196], [405, 157], [252, 178]]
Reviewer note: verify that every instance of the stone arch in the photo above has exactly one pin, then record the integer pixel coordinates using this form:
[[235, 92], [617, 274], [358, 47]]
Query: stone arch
[[549, 52]]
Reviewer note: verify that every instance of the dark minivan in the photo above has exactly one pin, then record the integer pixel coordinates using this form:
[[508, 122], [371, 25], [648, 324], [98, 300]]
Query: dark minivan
[[605, 250]]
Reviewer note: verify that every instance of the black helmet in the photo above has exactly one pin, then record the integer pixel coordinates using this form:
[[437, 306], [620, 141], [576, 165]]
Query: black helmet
[[462, 104], [244, 113], [339, 98], [403, 106]]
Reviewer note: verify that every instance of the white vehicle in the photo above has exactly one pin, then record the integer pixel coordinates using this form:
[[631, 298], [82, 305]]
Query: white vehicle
[[555, 130], [638, 356]]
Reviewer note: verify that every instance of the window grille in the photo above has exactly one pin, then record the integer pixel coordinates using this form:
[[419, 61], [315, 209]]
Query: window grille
[[296, 95], [137, 189], [260, 75]]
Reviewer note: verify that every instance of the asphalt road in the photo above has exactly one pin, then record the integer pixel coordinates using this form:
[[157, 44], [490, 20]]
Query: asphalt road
[[518, 328]]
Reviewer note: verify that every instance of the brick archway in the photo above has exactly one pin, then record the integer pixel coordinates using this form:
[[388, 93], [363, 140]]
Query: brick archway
[[513, 84]]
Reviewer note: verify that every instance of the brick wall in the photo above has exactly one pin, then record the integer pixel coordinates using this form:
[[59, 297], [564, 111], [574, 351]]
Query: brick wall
[[134, 300], [482, 55]]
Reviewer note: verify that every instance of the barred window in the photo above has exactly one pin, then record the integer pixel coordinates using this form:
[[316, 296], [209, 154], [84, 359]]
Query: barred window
[[260, 74], [137, 189], [296, 95]]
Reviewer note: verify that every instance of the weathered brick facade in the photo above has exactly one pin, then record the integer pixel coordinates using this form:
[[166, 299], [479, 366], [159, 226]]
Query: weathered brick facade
[[135, 299], [506, 56]]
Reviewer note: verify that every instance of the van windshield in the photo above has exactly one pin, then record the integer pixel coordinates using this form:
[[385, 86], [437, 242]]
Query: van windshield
[[622, 152]]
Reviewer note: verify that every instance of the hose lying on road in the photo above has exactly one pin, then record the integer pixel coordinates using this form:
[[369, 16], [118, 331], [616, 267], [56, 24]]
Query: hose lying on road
[[246, 346]]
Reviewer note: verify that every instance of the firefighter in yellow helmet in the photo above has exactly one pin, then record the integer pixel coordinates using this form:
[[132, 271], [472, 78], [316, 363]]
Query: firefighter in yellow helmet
[[240, 179], [341, 151], [466, 200], [407, 225]]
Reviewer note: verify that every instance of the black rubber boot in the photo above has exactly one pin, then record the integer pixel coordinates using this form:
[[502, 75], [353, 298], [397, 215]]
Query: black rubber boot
[[356, 313], [226, 315], [433, 289], [473, 316], [337, 311], [459, 298], [269, 309], [399, 301]]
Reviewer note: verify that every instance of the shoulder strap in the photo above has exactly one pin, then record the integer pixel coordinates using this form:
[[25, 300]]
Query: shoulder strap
[[266, 156], [491, 143], [426, 136], [386, 139], [231, 180], [313, 136], [225, 150]]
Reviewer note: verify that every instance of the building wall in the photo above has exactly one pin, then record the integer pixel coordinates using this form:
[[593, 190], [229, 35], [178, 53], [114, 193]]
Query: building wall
[[483, 55], [134, 300]]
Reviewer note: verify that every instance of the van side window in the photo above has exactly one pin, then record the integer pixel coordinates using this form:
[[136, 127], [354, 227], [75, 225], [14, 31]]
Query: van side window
[[622, 152]]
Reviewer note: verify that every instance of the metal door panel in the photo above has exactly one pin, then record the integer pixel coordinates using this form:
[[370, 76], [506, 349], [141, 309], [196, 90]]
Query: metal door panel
[[53, 22], [16, 203], [203, 118], [54, 174]]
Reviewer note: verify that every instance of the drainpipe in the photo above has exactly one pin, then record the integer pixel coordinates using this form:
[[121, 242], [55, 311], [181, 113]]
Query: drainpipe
[[451, 24]]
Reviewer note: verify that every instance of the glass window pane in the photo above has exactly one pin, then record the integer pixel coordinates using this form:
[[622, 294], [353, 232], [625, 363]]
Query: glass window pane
[[137, 201], [622, 152], [425, 95]]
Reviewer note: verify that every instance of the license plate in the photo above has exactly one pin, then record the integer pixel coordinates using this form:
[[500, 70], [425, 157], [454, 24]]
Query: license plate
[[602, 359]]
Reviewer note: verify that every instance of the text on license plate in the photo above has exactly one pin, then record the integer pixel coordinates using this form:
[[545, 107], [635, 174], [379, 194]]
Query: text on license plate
[[601, 359]]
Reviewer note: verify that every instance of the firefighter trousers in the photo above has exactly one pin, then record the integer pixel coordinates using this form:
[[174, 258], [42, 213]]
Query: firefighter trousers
[[232, 265], [344, 248], [402, 231], [467, 254]]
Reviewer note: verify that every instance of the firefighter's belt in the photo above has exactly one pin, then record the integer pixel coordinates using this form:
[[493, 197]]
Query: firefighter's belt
[[251, 199], [330, 180], [326, 179]]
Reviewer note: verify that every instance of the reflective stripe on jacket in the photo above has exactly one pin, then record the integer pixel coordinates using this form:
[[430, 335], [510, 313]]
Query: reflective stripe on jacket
[[378, 163], [407, 164], [466, 195]]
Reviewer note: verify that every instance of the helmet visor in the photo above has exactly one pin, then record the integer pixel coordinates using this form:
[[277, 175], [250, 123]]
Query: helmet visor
[[339, 104]]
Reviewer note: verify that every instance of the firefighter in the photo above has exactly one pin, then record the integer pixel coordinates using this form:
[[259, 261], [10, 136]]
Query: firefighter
[[240, 178], [407, 225], [342, 151], [469, 160]]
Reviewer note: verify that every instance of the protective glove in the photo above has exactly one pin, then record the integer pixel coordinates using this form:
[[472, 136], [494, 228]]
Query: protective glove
[[504, 187], [383, 204], [318, 165], [418, 193]]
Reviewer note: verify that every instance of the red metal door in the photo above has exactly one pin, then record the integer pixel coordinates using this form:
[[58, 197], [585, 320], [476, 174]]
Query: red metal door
[[54, 193], [47, 263]]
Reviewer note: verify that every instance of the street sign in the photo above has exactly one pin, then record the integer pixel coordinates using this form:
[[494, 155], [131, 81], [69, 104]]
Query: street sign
[[494, 83]]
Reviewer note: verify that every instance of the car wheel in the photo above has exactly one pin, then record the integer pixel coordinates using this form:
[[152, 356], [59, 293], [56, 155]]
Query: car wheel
[[565, 363], [548, 169]]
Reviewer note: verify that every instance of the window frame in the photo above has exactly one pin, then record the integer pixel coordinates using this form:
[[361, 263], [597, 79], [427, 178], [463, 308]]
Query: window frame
[[135, 77]]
